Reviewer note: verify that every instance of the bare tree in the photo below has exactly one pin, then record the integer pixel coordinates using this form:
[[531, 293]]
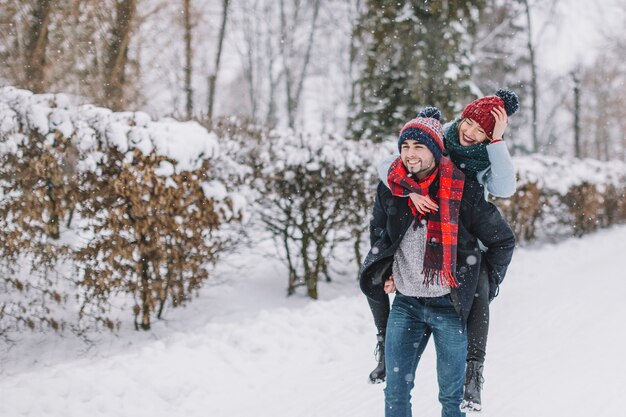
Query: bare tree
[[188, 57], [604, 107], [117, 53], [531, 44], [576, 80], [354, 14], [273, 82], [251, 36], [533, 78], [37, 46], [218, 57], [25, 42], [294, 83]]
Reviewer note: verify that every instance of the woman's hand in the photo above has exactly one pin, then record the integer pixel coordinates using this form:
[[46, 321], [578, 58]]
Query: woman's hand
[[502, 121], [390, 286], [423, 204]]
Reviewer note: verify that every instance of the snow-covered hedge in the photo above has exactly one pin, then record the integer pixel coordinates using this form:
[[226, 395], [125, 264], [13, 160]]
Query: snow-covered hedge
[[313, 195], [96, 205], [135, 206], [558, 197]]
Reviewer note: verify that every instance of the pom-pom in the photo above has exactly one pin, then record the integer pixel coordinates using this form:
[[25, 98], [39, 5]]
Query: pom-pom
[[432, 112], [511, 103]]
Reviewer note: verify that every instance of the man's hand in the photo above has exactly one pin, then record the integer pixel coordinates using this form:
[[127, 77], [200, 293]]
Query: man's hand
[[423, 204], [390, 286]]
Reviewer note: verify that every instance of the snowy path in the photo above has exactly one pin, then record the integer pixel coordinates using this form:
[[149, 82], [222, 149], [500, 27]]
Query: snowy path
[[556, 348]]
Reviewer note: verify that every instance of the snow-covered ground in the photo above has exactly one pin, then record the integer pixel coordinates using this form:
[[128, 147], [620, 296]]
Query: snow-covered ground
[[245, 350]]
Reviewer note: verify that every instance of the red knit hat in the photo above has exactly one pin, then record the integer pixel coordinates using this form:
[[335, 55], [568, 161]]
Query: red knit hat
[[480, 109]]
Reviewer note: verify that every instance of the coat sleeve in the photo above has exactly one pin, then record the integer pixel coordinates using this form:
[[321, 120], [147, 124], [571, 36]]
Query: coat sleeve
[[494, 232], [378, 222], [499, 178]]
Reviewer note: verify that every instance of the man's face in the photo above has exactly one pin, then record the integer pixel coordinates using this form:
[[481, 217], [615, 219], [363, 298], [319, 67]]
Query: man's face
[[417, 158], [470, 133]]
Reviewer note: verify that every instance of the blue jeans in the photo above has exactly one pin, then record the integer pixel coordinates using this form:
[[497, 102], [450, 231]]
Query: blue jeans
[[411, 322]]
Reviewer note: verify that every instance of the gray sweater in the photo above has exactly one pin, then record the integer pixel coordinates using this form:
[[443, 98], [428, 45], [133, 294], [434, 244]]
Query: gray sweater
[[408, 263]]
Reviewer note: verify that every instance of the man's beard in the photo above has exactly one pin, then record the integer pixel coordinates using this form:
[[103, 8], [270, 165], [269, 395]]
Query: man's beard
[[419, 170], [413, 168]]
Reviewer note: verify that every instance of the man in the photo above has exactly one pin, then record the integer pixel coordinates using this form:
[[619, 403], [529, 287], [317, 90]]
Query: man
[[432, 260]]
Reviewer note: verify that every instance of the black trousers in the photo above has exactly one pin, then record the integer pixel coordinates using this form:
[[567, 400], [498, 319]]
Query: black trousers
[[477, 321]]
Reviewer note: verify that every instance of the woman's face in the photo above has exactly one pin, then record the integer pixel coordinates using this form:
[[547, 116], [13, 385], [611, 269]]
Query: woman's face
[[470, 133]]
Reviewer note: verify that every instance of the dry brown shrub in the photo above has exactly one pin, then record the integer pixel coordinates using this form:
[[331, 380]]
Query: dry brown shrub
[[614, 205], [152, 236], [523, 211], [585, 204], [38, 191]]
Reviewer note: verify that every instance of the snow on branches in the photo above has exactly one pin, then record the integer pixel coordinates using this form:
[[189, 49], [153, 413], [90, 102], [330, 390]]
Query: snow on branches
[[135, 205]]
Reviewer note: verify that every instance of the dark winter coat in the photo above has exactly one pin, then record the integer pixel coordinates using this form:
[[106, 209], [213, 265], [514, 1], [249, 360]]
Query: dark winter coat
[[478, 219]]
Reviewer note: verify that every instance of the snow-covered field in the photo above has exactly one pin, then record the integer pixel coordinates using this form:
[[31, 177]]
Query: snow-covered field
[[244, 350]]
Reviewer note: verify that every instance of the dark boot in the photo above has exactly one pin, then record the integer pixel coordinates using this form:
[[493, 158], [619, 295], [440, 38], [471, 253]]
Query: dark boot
[[473, 385], [378, 374]]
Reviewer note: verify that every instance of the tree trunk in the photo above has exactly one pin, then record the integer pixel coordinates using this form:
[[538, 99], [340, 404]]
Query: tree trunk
[[293, 277], [146, 296], [249, 72], [310, 278], [357, 250], [37, 45], [533, 80], [188, 58], [286, 64], [218, 57], [53, 223], [352, 61], [576, 79], [271, 119], [117, 56], [307, 58], [294, 87]]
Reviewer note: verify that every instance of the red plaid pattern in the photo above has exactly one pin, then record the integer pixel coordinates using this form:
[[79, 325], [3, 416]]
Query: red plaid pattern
[[442, 225]]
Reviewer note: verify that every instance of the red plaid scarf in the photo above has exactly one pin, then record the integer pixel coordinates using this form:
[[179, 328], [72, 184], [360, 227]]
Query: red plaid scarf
[[442, 225]]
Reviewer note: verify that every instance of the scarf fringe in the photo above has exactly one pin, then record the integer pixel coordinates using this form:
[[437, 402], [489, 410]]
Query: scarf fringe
[[443, 278]]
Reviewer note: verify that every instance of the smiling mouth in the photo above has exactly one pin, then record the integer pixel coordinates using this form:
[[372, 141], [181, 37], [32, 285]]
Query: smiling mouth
[[469, 140], [414, 163]]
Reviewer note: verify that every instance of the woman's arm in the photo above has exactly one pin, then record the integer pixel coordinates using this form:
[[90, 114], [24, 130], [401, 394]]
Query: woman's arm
[[499, 178]]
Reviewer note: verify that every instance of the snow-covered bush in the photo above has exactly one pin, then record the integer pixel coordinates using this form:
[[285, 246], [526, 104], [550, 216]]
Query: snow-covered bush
[[98, 206], [135, 206], [38, 193], [314, 192], [559, 197]]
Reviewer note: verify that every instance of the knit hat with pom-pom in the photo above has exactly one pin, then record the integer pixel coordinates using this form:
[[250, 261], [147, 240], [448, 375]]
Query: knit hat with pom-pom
[[480, 109], [425, 129]]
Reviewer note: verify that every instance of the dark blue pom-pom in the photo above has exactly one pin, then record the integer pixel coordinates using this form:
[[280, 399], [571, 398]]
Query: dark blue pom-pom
[[511, 103], [430, 112]]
